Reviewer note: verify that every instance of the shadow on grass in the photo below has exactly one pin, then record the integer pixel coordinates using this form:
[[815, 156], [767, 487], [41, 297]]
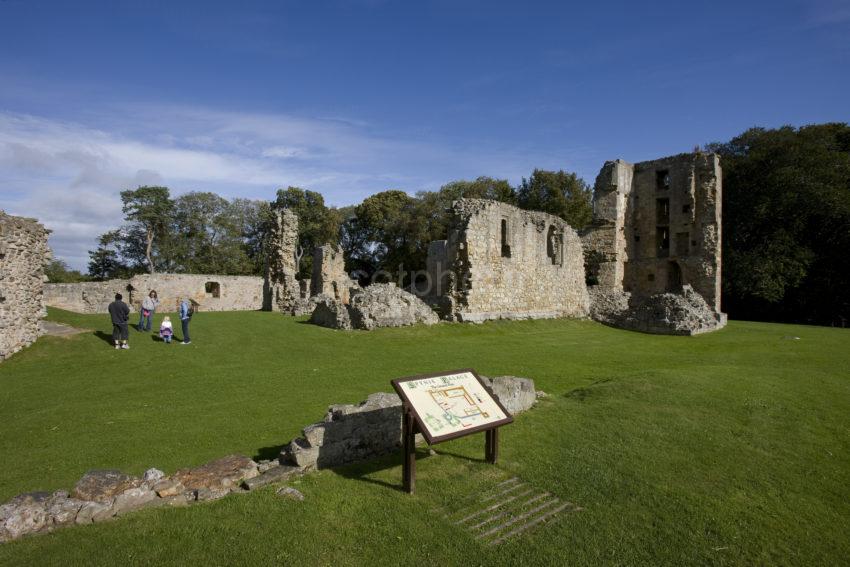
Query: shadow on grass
[[106, 337], [362, 471], [268, 453]]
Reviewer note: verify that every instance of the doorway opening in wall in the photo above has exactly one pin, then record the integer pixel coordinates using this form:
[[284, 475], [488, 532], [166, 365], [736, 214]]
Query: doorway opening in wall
[[506, 242], [674, 277], [213, 289]]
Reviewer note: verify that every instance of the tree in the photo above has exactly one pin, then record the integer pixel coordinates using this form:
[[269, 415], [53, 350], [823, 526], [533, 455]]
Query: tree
[[59, 272], [150, 208], [210, 240], [786, 223], [559, 193], [317, 224], [104, 262]]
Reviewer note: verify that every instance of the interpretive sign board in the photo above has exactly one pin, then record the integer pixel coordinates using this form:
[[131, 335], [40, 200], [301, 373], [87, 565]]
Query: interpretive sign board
[[451, 404]]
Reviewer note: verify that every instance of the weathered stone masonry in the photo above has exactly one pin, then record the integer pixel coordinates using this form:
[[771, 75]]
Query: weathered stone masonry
[[656, 228], [501, 262], [23, 255], [208, 292]]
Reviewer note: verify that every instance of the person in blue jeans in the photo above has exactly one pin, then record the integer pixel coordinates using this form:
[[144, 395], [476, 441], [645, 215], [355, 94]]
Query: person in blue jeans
[[149, 305], [186, 312]]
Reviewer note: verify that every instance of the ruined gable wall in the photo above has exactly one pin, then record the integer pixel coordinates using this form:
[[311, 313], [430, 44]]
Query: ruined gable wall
[[510, 263], [23, 255]]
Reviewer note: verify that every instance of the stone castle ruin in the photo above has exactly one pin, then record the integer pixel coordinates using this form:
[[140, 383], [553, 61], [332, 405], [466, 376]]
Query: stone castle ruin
[[650, 261], [501, 262], [23, 256], [653, 249]]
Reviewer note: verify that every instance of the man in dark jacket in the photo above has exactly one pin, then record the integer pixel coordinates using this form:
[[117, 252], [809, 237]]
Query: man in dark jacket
[[120, 314]]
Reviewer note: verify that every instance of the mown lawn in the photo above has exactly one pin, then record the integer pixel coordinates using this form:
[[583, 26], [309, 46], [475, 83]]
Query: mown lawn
[[728, 448]]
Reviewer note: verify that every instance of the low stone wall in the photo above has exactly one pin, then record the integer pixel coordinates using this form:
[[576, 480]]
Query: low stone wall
[[85, 297], [208, 292], [351, 433], [23, 255]]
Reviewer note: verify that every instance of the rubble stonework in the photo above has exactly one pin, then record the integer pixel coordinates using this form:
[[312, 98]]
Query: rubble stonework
[[377, 305], [357, 432], [283, 287], [23, 255], [329, 275], [656, 227], [208, 292], [501, 262]]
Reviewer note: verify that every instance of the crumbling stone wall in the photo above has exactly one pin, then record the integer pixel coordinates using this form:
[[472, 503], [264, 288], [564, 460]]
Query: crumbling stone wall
[[23, 255], [501, 262], [329, 275], [208, 292], [375, 306], [283, 287]]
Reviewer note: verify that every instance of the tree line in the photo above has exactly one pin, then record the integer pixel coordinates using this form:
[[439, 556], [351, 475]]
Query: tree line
[[786, 225]]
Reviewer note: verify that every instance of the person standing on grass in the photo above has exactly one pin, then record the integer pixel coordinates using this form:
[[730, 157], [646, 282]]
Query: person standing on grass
[[186, 312], [120, 314], [149, 305]]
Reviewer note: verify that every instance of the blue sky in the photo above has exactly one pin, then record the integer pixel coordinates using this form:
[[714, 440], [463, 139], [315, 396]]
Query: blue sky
[[352, 97]]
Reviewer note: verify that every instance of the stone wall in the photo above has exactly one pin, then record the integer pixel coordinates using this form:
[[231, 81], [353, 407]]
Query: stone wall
[[208, 292], [85, 297], [23, 255], [329, 275], [282, 285], [501, 262]]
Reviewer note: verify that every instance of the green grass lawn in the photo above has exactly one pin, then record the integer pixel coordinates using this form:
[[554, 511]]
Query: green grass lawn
[[727, 448]]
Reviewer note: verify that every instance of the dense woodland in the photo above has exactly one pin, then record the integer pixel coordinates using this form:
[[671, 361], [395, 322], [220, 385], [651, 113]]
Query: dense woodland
[[786, 225]]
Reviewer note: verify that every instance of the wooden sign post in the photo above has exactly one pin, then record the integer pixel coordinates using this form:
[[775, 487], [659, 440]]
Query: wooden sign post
[[445, 406]]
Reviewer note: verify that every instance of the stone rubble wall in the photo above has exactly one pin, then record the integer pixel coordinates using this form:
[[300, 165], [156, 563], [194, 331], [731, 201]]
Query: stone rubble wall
[[23, 255], [372, 307], [348, 434], [501, 262], [235, 293], [356, 432]]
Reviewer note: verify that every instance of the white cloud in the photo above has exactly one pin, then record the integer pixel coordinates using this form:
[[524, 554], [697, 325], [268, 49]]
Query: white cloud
[[69, 175]]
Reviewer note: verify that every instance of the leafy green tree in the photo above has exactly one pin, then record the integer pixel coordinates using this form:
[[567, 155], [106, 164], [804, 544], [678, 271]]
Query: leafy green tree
[[150, 209], [210, 239], [559, 193], [105, 262], [57, 271], [317, 224], [786, 224]]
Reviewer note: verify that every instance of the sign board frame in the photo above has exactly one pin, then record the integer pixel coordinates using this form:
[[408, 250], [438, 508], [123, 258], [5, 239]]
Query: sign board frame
[[435, 439]]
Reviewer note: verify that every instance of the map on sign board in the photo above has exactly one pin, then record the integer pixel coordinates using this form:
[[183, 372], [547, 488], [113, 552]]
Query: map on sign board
[[450, 405]]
